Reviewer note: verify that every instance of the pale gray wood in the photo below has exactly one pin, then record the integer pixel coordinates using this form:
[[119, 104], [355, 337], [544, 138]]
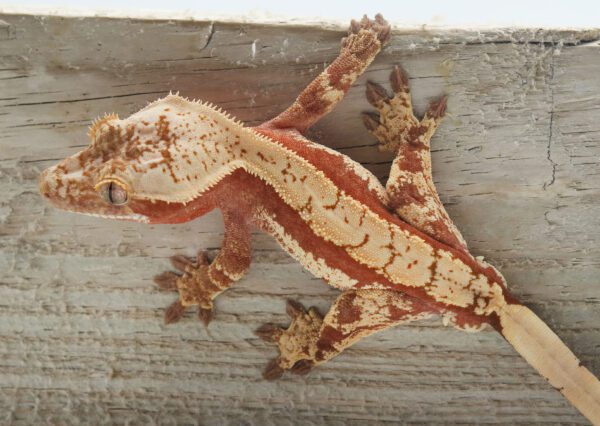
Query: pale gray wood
[[516, 162]]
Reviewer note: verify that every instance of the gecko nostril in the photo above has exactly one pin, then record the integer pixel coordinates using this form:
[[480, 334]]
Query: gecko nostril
[[44, 187]]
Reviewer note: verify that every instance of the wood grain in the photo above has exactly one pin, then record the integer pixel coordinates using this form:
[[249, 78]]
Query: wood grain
[[81, 333]]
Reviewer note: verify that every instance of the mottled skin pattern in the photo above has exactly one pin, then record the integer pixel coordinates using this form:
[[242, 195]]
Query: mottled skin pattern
[[393, 251]]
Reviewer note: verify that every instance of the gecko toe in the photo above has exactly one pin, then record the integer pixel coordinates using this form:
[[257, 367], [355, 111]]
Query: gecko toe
[[376, 94], [399, 80], [273, 370], [302, 367], [370, 120], [380, 19], [294, 309], [202, 258], [383, 29], [182, 263], [437, 108], [167, 280], [206, 315], [174, 312], [269, 333]]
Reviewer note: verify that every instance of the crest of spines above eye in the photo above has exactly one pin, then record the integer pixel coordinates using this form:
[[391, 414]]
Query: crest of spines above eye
[[93, 128], [97, 123]]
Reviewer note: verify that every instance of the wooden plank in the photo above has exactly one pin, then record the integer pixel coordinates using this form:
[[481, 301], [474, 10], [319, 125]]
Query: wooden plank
[[81, 322]]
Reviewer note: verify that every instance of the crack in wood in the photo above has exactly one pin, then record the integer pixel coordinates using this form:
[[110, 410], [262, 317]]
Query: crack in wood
[[211, 33], [68, 101], [553, 164]]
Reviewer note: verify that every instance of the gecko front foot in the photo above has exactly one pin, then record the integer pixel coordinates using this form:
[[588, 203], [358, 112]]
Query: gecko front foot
[[194, 286], [361, 34], [297, 344], [396, 123]]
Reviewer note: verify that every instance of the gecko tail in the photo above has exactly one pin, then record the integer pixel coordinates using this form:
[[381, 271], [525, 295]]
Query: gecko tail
[[545, 352]]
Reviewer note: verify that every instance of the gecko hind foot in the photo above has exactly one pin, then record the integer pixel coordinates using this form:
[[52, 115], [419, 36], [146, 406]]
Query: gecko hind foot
[[297, 344], [395, 122], [194, 287]]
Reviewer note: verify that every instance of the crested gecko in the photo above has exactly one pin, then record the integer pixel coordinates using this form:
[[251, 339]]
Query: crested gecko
[[393, 251]]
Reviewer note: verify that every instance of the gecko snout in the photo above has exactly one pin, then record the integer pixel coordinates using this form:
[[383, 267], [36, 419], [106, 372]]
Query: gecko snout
[[44, 186], [48, 183]]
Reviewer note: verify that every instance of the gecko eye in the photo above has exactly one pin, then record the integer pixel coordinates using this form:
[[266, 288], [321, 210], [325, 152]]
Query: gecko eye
[[113, 193]]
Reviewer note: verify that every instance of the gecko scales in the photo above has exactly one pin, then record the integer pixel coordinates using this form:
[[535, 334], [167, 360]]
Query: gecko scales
[[393, 251]]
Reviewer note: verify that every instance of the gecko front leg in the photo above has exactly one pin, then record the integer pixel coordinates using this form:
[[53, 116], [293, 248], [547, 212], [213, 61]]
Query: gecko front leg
[[311, 339], [200, 282], [359, 48]]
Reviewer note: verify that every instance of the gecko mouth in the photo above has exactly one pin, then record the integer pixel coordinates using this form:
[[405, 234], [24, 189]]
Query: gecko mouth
[[44, 187], [134, 217]]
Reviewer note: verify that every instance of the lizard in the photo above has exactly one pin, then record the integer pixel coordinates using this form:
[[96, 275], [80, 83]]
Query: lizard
[[392, 250]]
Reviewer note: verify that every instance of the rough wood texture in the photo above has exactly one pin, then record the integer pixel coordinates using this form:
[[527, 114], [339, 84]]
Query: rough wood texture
[[81, 332]]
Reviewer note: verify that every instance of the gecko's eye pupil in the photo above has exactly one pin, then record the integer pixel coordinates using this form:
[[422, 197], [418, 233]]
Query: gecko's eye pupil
[[114, 194]]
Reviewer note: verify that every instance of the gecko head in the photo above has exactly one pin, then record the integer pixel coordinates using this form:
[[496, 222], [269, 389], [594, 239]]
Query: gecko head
[[159, 165]]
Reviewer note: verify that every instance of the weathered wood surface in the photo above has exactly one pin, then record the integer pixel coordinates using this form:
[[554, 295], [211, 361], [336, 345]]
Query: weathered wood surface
[[81, 333]]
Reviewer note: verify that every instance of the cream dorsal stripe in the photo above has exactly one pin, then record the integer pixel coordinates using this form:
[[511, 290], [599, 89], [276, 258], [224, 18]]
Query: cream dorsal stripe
[[404, 257]]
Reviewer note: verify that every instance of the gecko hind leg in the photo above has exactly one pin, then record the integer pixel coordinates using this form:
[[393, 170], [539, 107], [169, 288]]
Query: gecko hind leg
[[410, 187], [311, 339], [296, 343]]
